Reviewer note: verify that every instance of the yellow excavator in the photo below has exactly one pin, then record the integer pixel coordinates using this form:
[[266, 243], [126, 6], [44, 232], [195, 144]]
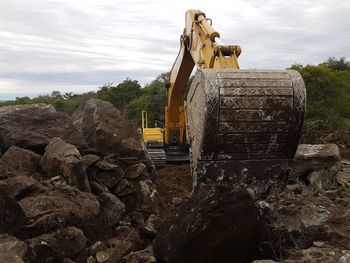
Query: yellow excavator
[[240, 125]]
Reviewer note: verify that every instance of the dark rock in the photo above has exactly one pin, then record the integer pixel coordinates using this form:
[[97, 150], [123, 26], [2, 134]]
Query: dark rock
[[57, 205], [22, 160], [144, 197], [138, 218], [12, 216], [135, 171], [64, 159], [220, 228], [123, 188], [112, 209], [141, 256], [106, 130], [107, 174], [90, 159], [33, 126], [97, 188], [19, 186], [66, 242]]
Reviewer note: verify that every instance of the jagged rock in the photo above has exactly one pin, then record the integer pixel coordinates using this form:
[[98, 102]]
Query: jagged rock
[[90, 159], [321, 180], [210, 228], [97, 188], [64, 159], [135, 171], [11, 215], [62, 243], [141, 256], [57, 205], [22, 160], [107, 174], [112, 209], [32, 127], [299, 215], [311, 157], [126, 240], [97, 246], [151, 225], [105, 130], [10, 245], [123, 188], [144, 197], [19, 186]]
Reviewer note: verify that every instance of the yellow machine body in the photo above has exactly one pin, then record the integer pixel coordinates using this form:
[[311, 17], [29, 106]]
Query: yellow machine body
[[150, 135]]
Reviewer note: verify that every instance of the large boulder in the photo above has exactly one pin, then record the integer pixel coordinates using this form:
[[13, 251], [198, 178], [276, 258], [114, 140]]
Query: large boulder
[[58, 204], [32, 127], [211, 228], [311, 157], [105, 129], [22, 160], [64, 159]]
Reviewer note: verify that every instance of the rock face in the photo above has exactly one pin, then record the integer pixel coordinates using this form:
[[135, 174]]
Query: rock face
[[221, 228], [64, 159], [105, 130], [32, 127]]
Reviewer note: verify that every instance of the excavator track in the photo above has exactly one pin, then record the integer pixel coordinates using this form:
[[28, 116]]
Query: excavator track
[[157, 155], [244, 127]]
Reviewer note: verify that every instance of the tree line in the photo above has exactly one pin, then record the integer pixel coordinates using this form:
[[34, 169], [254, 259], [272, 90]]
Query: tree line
[[327, 85]]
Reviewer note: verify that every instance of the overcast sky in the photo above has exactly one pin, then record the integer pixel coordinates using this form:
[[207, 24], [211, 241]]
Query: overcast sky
[[78, 45]]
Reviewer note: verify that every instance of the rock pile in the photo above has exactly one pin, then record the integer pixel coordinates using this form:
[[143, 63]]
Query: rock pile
[[74, 193]]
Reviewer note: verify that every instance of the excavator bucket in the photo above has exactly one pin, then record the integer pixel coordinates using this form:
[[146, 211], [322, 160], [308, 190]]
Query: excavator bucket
[[244, 127]]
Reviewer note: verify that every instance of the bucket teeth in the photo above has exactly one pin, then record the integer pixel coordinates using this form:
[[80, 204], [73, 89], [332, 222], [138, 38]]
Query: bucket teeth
[[244, 126]]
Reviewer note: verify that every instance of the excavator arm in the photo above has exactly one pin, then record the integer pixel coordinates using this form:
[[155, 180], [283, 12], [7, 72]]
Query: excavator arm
[[243, 126], [198, 47]]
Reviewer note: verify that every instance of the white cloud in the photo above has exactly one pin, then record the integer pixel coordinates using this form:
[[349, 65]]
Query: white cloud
[[79, 45]]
